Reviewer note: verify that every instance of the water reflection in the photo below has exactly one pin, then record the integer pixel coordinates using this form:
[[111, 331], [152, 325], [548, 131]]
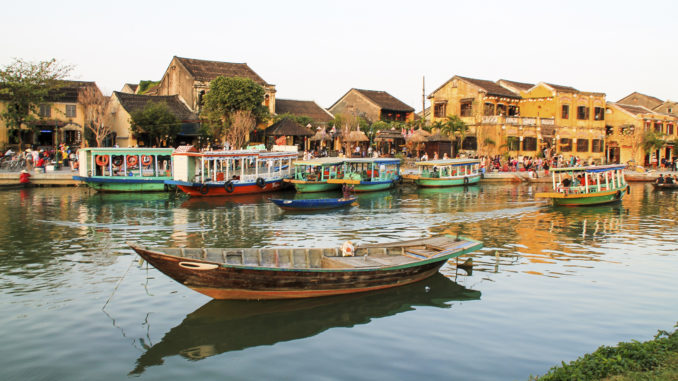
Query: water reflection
[[223, 326]]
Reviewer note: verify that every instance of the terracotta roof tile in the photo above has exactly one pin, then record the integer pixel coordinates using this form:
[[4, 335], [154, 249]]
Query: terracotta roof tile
[[491, 88], [302, 108], [287, 127], [135, 102], [206, 71], [385, 100]]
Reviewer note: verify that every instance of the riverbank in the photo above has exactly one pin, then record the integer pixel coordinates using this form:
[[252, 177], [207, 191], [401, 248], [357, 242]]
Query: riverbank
[[59, 177], [655, 359]]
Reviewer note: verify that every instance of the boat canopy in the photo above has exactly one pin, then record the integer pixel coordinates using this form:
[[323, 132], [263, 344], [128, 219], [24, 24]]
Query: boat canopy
[[591, 169], [378, 160], [448, 162], [128, 151], [323, 161]]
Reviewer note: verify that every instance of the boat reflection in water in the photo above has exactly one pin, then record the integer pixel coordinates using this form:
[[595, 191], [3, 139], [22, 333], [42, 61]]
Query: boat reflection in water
[[221, 326]]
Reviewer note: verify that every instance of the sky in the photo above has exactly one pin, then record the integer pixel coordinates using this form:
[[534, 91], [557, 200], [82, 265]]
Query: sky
[[318, 50]]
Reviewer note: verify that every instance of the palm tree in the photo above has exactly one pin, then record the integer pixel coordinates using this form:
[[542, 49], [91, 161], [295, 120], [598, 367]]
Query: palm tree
[[456, 128]]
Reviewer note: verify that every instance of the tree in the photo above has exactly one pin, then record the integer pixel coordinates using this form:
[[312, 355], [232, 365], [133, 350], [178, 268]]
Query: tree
[[155, 120], [228, 104], [24, 86], [95, 105], [455, 127]]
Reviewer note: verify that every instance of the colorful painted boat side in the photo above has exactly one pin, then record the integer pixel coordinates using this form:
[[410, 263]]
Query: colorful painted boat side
[[312, 175], [125, 169], [314, 204], [446, 173], [369, 174], [582, 186]]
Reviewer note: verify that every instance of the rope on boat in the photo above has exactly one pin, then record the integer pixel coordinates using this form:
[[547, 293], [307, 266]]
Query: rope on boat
[[118, 284]]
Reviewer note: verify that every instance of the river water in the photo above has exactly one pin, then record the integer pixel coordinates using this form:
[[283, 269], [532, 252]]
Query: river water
[[549, 285]]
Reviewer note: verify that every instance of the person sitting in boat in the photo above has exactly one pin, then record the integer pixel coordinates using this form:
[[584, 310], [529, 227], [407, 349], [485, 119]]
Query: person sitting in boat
[[567, 182], [660, 179], [445, 157], [668, 180]]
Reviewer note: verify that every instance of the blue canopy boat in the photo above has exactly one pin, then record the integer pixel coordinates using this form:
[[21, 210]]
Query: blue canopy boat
[[314, 204]]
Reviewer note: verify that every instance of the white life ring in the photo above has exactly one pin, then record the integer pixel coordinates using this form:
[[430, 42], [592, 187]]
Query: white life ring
[[347, 249]]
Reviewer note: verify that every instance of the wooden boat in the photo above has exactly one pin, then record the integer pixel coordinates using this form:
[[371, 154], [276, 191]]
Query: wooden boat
[[229, 173], [222, 326], [446, 173], [281, 273], [665, 186], [369, 174], [593, 185], [313, 175], [314, 204], [125, 169]]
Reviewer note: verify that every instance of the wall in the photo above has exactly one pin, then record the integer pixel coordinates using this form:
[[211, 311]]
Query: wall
[[355, 104], [119, 120]]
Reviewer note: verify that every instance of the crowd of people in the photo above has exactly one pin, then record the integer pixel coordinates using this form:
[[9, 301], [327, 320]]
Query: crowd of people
[[37, 159]]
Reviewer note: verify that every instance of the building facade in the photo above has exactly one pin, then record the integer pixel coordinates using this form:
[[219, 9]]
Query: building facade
[[373, 106]]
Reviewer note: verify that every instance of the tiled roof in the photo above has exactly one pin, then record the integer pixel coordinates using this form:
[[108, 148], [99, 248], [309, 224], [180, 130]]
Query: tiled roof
[[132, 86], [385, 100], [206, 71], [653, 101], [68, 91], [566, 89], [287, 127], [633, 109], [491, 87], [518, 85], [135, 102], [302, 108]]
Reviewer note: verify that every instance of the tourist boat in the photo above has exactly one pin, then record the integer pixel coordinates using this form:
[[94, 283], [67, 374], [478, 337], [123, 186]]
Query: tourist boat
[[281, 273], [312, 175], [226, 173], [593, 185], [125, 169], [665, 186], [369, 174], [446, 173], [314, 204]]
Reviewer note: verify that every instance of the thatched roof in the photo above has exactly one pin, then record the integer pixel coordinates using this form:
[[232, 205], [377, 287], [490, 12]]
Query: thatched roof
[[321, 135], [419, 136], [287, 127], [439, 138], [389, 135], [356, 136]]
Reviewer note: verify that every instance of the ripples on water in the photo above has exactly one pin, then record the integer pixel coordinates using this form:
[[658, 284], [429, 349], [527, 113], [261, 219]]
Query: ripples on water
[[549, 285]]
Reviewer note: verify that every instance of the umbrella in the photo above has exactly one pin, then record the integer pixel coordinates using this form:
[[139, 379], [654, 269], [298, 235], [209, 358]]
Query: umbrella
[[356, 136], [419, 136], [321, 135]]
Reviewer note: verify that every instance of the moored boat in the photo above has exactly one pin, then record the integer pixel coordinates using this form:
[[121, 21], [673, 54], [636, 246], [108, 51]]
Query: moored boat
[[665, 186], [314, 204], [369, 174], [446, 173], [281, 273], [312, 175], [125, 169], [592, 185], [226, 173]]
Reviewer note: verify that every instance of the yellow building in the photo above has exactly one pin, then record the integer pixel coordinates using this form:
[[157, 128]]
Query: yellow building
[[60, 119], [524, 118], [626, 127]]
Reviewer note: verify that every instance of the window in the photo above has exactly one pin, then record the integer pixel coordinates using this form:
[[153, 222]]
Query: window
[[566, 145], [609, 130], [45, 111], [598, 113], [529, 144], [582, 145], [440, 110], [513, 143], [669, 129], [466, 108], [648, 124], [582, 113], [513, 111], [469, 143], [597, 145], [658, 127], [501, 109], [70, 111], [488, 109], [565, 112]]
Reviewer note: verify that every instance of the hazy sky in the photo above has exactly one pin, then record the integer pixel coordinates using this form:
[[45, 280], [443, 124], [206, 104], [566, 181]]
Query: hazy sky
[[318, 50]]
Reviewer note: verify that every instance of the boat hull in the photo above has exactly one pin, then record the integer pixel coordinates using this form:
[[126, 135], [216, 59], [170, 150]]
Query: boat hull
[[595, 198], [255, 284], [665, 186], [315, 187], [450, 182], [220, 190], [313, 204], [123, 184]]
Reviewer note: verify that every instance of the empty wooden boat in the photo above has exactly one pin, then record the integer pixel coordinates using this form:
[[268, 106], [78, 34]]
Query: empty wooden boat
[[280, 273]]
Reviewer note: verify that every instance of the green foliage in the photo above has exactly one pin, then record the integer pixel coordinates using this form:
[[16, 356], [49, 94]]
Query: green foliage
[[652, 141], [145, 85], [25, 85], [228, 96], [625, 357], [156, 120], [455, 126], [489, 142]]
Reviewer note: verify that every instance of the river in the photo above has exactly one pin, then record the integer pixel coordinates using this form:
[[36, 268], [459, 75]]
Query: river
[[549, 285]]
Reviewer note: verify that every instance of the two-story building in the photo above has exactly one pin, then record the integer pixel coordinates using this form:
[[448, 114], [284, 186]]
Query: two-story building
[[190, 79], [524, 118], [626, 127], [60, 119], [373, 106]]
